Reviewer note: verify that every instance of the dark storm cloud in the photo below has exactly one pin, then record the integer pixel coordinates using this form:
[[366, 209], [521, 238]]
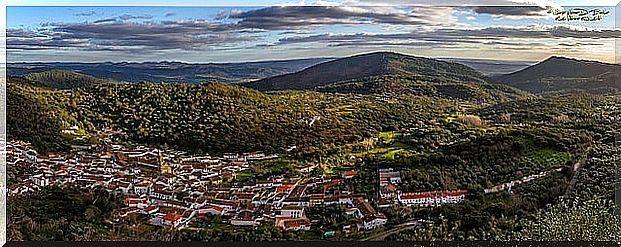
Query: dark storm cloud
[[287, 17], [450, 2], [421, 39], [121, 34], [384, 44], [30, 40], [565, 32], [554, 32], [580, 44], [510, 10], [22, 33], [102, 36], [453, 36], [105, 20], [492, 7]]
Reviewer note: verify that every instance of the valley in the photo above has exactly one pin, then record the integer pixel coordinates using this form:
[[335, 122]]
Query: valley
[[335, 128]]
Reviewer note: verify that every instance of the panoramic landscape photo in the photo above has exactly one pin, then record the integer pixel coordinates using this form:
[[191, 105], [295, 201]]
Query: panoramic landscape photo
[[337, 122]]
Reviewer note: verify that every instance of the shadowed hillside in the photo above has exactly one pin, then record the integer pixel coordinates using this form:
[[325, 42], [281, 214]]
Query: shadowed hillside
[[172, 71], [565, 74], [63, 79], [371, 65]]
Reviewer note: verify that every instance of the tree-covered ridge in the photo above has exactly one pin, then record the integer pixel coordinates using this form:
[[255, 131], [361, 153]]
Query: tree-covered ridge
[[39, 114], [427, 86], [578, 108], [64, 79], [217, 117], [599, 173], [62, 214], [578, 220], [171, 71], [560, 74], [376, 64], [510, 140], [492, 158]]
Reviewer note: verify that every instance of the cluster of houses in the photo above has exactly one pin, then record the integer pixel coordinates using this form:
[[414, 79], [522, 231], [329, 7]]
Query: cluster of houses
[[431, 198], [388, 180], [174, 188], [389, 194]]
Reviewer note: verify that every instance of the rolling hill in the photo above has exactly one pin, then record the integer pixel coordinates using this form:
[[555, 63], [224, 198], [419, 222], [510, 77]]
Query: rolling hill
[[172, 71], [207, 116], [222, 72], [560, 74], [371, 65], [62, 79]]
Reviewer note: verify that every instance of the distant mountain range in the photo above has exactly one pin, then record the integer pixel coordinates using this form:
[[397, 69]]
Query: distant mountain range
[[172, 71], [393, 72], [222, 72], [558, 74], [365, 73], [370, 65], [388, 72], [61, 79]]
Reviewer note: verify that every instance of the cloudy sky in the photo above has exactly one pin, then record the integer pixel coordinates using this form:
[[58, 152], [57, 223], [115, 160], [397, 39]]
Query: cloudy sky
[[244, 33]]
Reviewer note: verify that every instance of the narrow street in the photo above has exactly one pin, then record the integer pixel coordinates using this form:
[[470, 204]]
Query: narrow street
[[396, 229], [509, 185], [577, 168]]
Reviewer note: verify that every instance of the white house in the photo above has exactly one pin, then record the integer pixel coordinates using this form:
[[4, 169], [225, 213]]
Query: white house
[[289, 224], [210, 209], [170, 219], [40, 180], [370, 219], [431, 198], [292, 211], [372, 223], [142, 188], [162, 194]]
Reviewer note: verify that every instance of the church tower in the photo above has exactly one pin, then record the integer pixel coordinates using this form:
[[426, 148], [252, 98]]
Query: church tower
[[164, 166]]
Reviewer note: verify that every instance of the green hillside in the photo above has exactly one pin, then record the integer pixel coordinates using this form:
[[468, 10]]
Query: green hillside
[[560, 74], [216, 117], [64, 79], [368, 66]]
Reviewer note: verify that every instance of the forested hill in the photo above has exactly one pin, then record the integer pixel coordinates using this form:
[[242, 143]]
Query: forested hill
[[172, 71], [558, 74], [371, 65], [217, 117], [210, 117], [63, 79]]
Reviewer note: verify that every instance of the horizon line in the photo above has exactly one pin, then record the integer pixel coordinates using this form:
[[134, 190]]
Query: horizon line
[[310, 58]]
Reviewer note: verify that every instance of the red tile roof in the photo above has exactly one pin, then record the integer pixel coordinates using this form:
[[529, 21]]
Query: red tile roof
[[296, 223], [350, 173], [283, 188], [455, 193], [172, 217], [219, 209], [407, 196]]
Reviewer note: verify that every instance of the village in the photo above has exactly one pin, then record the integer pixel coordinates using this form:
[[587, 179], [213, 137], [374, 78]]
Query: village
[[174, 188]]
